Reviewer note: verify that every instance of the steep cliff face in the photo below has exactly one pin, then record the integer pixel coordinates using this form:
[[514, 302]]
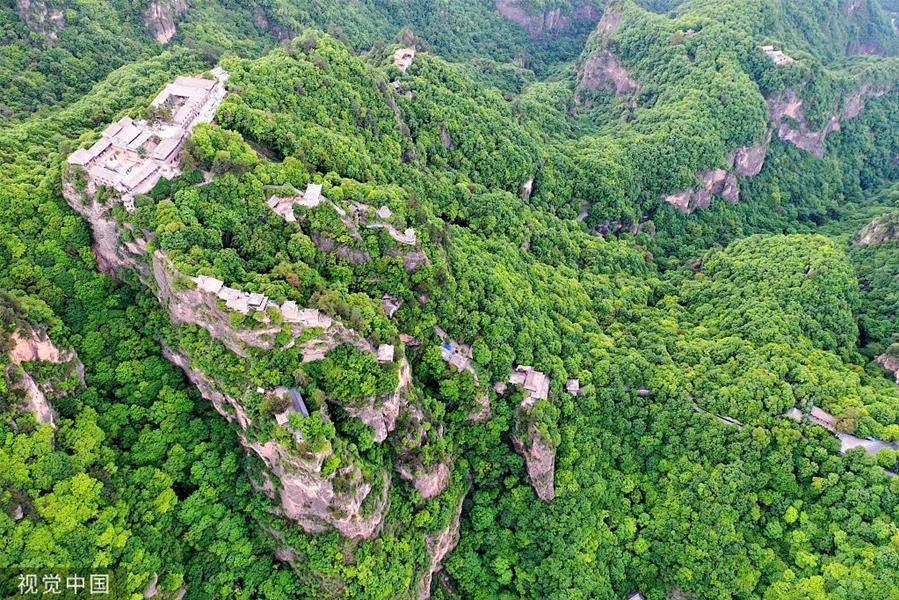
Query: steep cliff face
[[745, 161], [110, 254], [33, 345], [313, 499], [717, 182], [429, 478], [41, 18], [439, 545], [788, 121], [787, 114], [381, 414], [602, 69], [189, 305], [879, 231], [547, 21], [889, 360], [539, 455], [161, 18]]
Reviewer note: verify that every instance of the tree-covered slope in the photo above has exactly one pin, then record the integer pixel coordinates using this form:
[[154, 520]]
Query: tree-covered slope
[[674, 469]]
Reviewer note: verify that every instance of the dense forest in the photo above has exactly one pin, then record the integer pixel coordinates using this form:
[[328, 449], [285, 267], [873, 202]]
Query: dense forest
[[688, 210]]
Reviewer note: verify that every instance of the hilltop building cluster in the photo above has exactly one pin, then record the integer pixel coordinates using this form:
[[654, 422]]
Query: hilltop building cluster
[[535, 384], [132, 155], [245, 302], [359, 214], [778, 56]]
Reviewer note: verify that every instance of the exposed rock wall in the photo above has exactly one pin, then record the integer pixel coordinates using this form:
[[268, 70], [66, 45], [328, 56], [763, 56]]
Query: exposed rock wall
[[788, 118], [717, 182], [225, 405], [538, 453], [547, 21], [33, 345], [879, 231], [313, 500], [429, 481], [40, 18], [187, 304], [603, 71], [381, 415], [439, 545], [787, 114], [161, 18], [889, 360], [788, 121]]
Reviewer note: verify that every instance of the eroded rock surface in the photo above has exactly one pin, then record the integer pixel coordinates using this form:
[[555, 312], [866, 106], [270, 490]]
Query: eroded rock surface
[[344, 499], [161, 18], [40, 18], [889, 360], [33, 345], [429, 481], [539, 454], [381, 416], [550, 20], [603, 71], [717, 182], [879, 231], [439, 545], [748, 161], [314, 500], [786, 112]]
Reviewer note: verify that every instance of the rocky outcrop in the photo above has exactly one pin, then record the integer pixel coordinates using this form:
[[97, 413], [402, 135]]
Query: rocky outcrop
[[225, 405], [540, 459], [311, 498], [717, 182], [879, 231], [547, 21], [788, 118], [789, 123], [611, 17], [345, 498], [603, 71], [430, 481], [747, 161], [381, 416], [161, 18], [854, 103], [787, 114], [889, 360], [33, 345], [40, 18], [110, 253], [427, 476], [539, 453], [439, 545], [186, 302], [316, 501]]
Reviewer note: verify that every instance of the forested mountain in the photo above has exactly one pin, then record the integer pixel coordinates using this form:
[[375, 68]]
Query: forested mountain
[[452, 299]]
